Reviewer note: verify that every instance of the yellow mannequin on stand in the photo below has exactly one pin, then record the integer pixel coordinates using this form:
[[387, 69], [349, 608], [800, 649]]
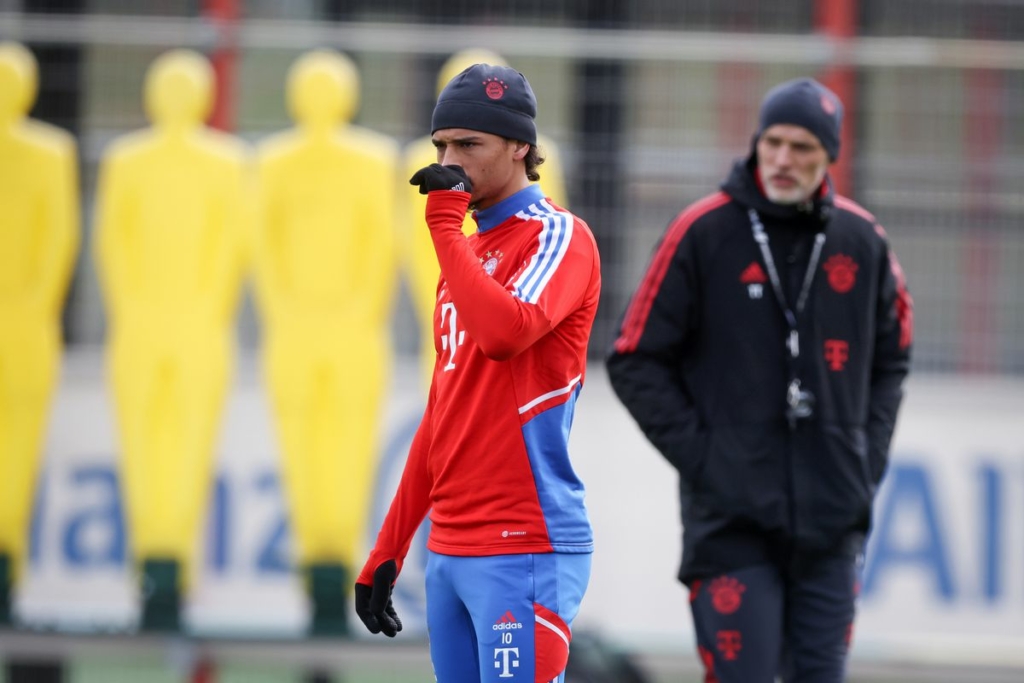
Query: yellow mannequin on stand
[[326, 279], [39, 236], [170, 249], [420, 260]]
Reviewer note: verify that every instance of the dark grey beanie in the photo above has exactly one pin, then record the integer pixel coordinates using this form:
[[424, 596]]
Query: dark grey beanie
[[490, 99], [807, 103]]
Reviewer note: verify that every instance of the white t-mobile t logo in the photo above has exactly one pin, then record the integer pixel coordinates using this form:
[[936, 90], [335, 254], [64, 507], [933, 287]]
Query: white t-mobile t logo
[[507, 658], [454, 339]]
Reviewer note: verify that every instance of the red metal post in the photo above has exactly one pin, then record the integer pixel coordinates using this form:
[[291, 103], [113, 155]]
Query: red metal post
[[983, 125], [225, 15], [837, 19], [738, 96]]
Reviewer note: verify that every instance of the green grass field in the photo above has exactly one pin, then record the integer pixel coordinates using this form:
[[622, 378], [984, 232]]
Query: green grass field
[[154, 659]]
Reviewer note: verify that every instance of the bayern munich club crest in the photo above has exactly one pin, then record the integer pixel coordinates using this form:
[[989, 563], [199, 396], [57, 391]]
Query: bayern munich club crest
[[495, 88], [490, 261], [842, 272], [726, 594], [827, 105]]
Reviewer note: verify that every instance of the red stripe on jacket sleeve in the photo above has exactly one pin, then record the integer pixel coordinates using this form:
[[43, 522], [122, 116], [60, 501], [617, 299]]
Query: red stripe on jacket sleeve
[[853, 207], [904, 302], [642, 301]]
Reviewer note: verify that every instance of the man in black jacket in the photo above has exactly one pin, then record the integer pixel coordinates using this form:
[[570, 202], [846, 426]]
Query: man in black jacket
[[763, 354]]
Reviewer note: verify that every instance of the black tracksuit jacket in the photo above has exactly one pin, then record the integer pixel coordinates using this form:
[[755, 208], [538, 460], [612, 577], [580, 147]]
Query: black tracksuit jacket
[[701, 363]]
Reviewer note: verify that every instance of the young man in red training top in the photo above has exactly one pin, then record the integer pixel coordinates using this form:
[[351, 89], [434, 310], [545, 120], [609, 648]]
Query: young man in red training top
[[510, 540]]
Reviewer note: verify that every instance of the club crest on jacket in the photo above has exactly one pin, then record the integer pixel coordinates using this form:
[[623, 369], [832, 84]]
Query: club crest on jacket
[[842, 272]]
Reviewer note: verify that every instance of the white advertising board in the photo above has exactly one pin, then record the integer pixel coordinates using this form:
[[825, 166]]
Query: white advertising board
[[943, 580]]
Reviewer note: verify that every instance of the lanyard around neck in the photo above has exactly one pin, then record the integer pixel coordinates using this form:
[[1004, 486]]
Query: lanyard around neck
[[761, 237]]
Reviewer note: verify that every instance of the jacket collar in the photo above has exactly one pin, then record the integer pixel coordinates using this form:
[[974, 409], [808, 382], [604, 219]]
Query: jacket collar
[[494, 216]]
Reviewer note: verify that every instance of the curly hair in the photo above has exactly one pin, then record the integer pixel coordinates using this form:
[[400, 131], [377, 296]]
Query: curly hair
[[533, 160]]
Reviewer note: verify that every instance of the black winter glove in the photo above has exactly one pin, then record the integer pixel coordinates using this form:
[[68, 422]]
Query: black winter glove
[[373, 603], [438, 177]]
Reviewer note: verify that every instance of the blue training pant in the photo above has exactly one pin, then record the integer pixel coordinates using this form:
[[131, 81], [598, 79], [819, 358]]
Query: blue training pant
[[757, 623], [503, 618]]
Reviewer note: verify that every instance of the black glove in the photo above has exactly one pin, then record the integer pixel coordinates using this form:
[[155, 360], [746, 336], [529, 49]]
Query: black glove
[[438, 177], [373, 603]]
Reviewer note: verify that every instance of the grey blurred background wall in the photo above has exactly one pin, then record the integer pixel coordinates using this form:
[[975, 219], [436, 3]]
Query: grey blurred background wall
[[649, 101]]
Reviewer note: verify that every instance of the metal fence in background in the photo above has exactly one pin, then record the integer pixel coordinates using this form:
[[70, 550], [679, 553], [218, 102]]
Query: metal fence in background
[[648, 102]]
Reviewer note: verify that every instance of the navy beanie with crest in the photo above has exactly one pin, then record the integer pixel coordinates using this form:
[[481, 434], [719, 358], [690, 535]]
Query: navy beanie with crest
[[490, 99], [807, 103]]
